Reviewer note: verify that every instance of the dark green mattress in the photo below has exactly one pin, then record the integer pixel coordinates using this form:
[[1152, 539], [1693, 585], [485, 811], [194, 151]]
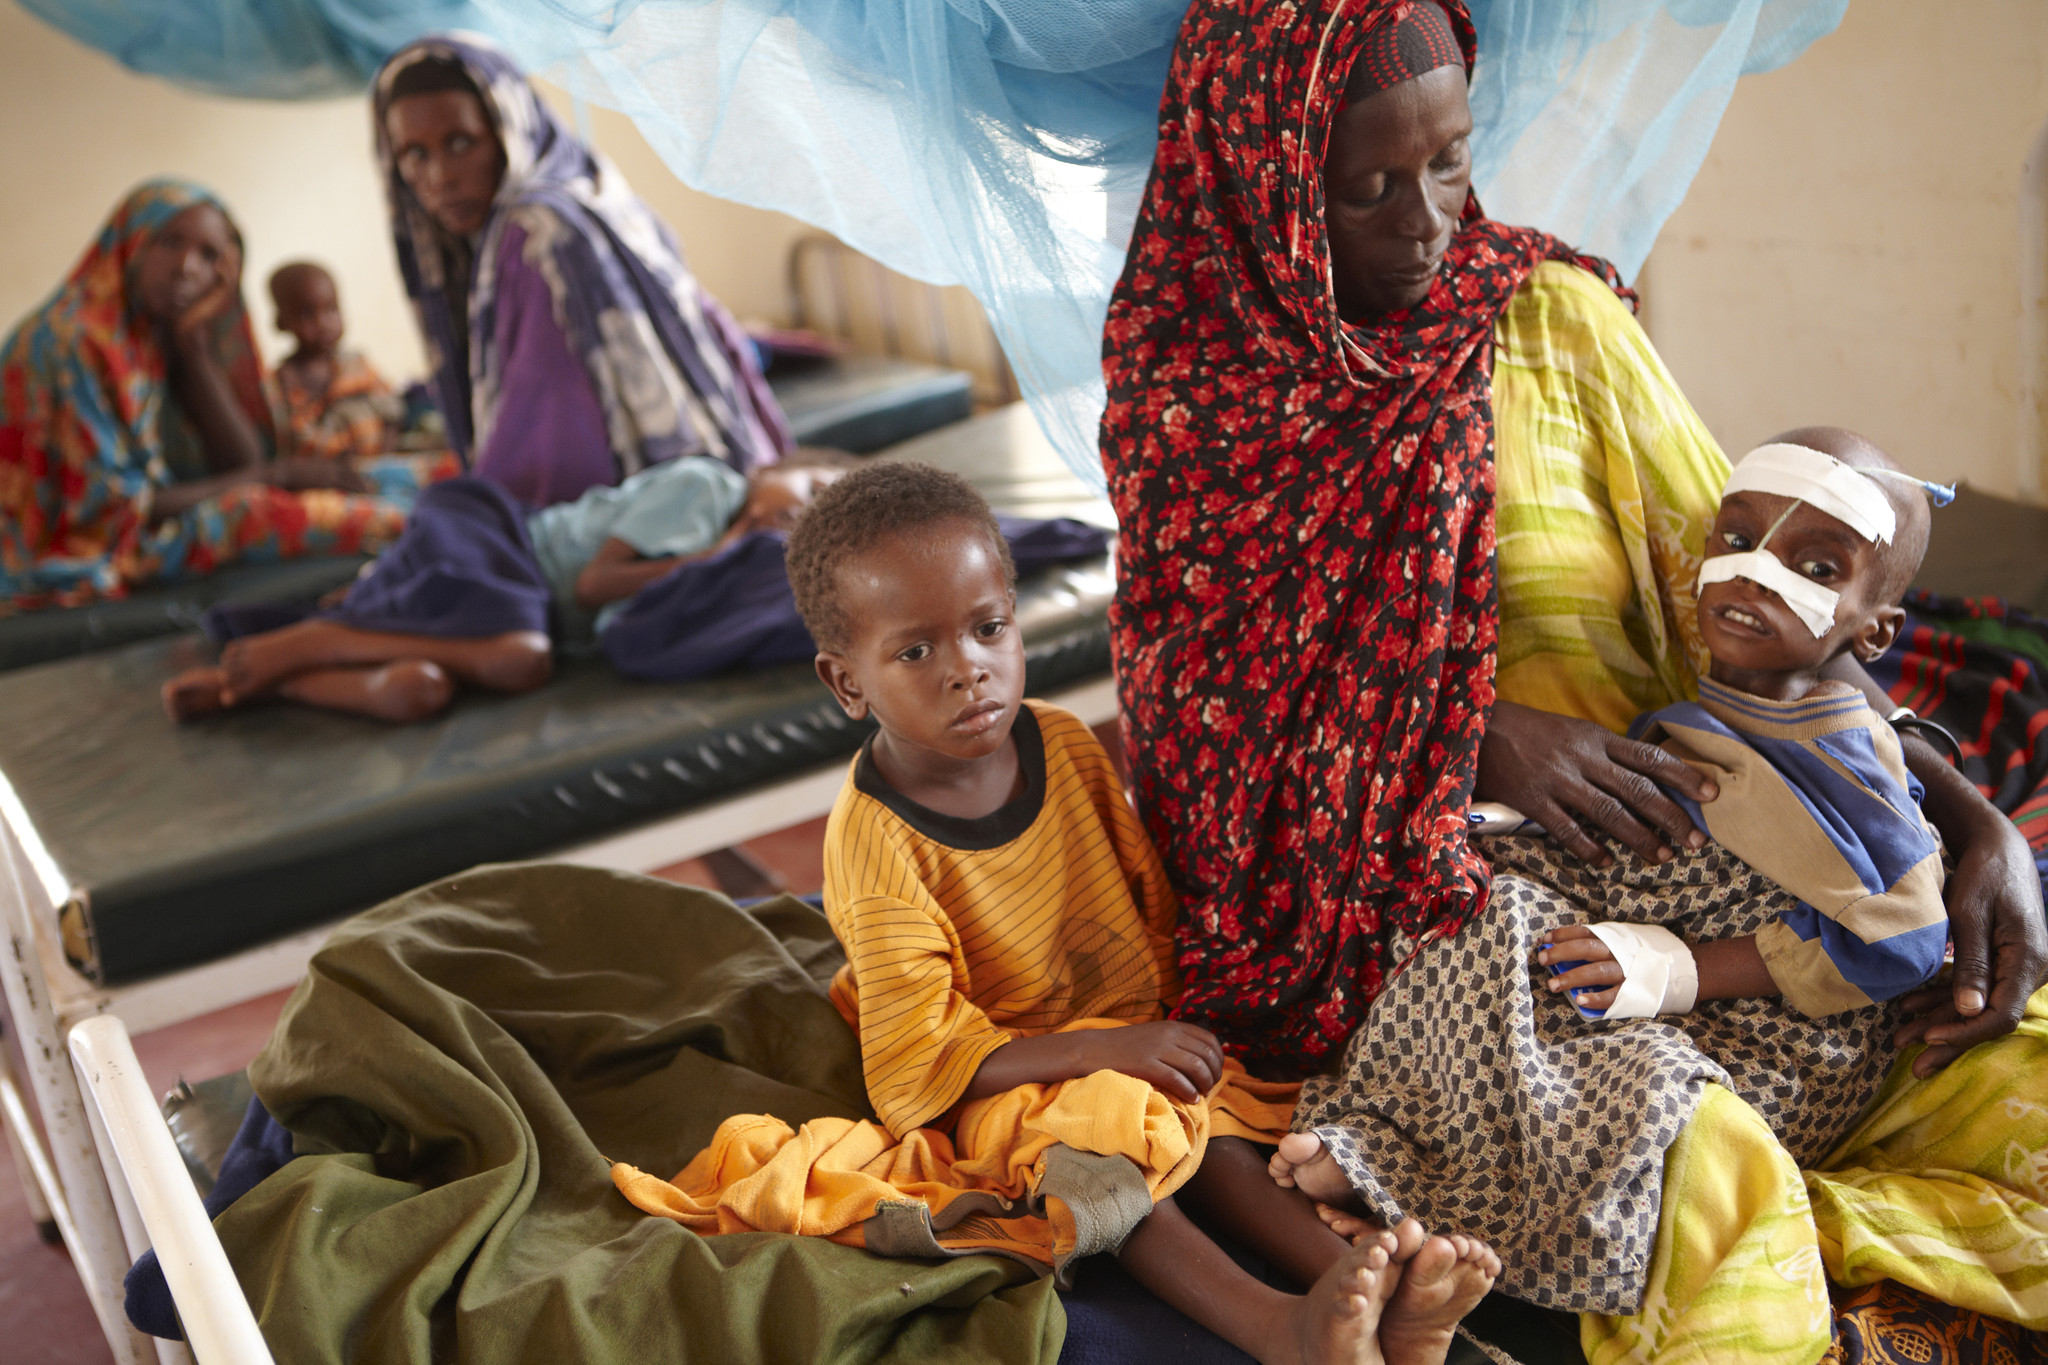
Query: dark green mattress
[[857, 403], [183, 844]]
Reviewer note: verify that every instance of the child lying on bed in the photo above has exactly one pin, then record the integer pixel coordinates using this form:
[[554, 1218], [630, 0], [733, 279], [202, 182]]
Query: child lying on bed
[[479, 593], [1763, 962], [1008, 934]]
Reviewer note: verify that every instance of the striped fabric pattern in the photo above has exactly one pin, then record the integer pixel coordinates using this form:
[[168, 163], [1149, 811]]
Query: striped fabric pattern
[[953, 950], [1815, 795], [1608, 482], [1979, 665]]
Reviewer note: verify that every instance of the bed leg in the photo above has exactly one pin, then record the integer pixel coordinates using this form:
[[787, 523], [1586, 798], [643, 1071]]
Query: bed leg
[[76, 1194], [31, 1189]]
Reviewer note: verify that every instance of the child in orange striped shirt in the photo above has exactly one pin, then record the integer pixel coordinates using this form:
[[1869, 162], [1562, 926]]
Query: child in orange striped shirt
[[1008, 932]]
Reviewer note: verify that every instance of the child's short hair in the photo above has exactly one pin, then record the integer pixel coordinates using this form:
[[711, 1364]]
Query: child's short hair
[[860, 511], [290, 275]]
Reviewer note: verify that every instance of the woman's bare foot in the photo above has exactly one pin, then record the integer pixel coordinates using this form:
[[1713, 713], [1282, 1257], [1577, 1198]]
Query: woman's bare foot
[[1303, 1163], [1440, 1283], [401, 692], [194, 693], [1341, 1317], [254, 665]]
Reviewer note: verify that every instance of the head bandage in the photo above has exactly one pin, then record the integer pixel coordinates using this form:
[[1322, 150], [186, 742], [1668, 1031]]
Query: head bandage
[[1845, 493], [1660, 974], [1849, 495]]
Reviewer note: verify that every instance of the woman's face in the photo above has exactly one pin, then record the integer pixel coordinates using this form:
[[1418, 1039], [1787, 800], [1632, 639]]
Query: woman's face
[[448, 155], [184, 260], [1394, 182]]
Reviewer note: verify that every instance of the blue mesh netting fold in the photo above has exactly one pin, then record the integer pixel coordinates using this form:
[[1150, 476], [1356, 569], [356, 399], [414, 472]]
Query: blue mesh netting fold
[[1003, 144]]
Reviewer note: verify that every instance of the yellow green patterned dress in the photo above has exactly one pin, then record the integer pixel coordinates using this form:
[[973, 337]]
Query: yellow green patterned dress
[[1608, 482]]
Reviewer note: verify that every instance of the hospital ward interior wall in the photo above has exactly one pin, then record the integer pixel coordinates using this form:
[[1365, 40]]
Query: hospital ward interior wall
[[1850, 252], [301, 179]]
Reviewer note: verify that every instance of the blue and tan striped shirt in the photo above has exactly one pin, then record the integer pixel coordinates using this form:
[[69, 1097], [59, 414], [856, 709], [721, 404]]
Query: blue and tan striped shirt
[[1815, 795]]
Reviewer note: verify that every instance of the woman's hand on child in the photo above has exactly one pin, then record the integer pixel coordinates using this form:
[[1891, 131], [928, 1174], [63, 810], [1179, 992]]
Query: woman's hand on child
[[1995, 918], [1578, 943], [1560, 771], [1181, 1060]]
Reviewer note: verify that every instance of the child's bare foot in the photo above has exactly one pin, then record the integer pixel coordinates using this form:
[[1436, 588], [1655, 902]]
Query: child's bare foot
[[1440, 1283], [1304, 1163], [1340, 1319], [194, 693]]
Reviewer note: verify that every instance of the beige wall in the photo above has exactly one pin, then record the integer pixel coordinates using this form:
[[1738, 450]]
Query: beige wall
[[300, 179], [1850, 252]]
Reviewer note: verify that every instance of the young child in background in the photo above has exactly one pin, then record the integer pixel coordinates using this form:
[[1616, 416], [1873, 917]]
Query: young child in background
[[1008, 932], [1763, 962], [332, 404], [477, 592]]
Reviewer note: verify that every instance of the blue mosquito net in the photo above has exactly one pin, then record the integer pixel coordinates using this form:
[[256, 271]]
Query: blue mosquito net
[[1003, 144]]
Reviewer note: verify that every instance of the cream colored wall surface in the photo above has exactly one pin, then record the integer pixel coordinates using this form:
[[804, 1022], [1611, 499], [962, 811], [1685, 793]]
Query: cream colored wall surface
[[738, 253], [1850, 252], [300, 179]]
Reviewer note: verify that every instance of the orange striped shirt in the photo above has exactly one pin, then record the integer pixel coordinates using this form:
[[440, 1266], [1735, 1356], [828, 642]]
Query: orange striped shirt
[[963, 934]]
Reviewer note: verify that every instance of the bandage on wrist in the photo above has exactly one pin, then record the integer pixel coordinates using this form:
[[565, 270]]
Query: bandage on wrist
[[1660, 975]]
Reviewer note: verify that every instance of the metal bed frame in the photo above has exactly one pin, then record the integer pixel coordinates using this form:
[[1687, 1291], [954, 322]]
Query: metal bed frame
[[110, 1179]]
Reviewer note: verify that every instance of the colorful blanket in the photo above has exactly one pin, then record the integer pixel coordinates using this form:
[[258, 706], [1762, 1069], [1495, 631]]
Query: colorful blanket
[[1979, 665]]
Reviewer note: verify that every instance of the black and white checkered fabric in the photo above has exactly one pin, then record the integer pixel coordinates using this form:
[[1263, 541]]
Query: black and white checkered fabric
[[1477, 1101]]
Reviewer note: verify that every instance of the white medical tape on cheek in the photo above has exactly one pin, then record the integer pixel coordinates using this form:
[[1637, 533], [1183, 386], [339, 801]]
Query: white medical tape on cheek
[[1661, 976], [1839, 490], [1810, 602]]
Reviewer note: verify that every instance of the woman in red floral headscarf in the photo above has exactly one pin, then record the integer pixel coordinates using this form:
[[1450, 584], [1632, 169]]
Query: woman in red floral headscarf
[[1315, 330], [1410, 513]]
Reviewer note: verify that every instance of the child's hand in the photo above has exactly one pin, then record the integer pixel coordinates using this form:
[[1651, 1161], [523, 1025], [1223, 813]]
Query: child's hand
[[1181, 1060], [1578, 943]]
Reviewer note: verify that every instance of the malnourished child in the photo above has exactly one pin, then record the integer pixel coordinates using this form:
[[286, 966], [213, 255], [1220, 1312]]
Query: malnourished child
[[1478, 1097], [1008, 933]]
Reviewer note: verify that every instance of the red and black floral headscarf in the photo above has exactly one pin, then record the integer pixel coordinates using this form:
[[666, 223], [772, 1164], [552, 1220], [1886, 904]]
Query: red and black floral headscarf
[[1305, 621]]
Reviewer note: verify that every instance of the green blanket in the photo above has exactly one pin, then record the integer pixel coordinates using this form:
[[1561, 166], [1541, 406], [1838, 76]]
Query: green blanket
[[461, 1065]]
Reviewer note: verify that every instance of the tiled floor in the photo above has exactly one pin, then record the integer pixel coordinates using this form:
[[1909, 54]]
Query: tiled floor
[[47, 1319]]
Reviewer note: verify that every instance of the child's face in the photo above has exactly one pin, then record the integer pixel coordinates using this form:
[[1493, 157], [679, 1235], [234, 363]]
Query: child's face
[[311, 312], [777, 496], [935, 653], [1752, 629]]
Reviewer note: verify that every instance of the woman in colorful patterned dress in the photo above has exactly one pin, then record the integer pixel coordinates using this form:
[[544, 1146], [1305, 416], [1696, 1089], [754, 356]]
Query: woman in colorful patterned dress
[[569, 345], [1411, 511], [134, 438]]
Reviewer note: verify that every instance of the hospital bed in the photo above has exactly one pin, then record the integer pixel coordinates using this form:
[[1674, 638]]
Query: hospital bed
[[860, 403], [151, 873], [1986, 546]]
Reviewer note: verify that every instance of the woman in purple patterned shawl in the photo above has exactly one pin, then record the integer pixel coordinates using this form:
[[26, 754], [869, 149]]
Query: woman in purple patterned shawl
[[570, 345]]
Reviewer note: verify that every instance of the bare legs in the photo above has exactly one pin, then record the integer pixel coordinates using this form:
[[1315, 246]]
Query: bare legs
[[381, 674], [1338, 1320], [1441, 1279], [1375, 1294]]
